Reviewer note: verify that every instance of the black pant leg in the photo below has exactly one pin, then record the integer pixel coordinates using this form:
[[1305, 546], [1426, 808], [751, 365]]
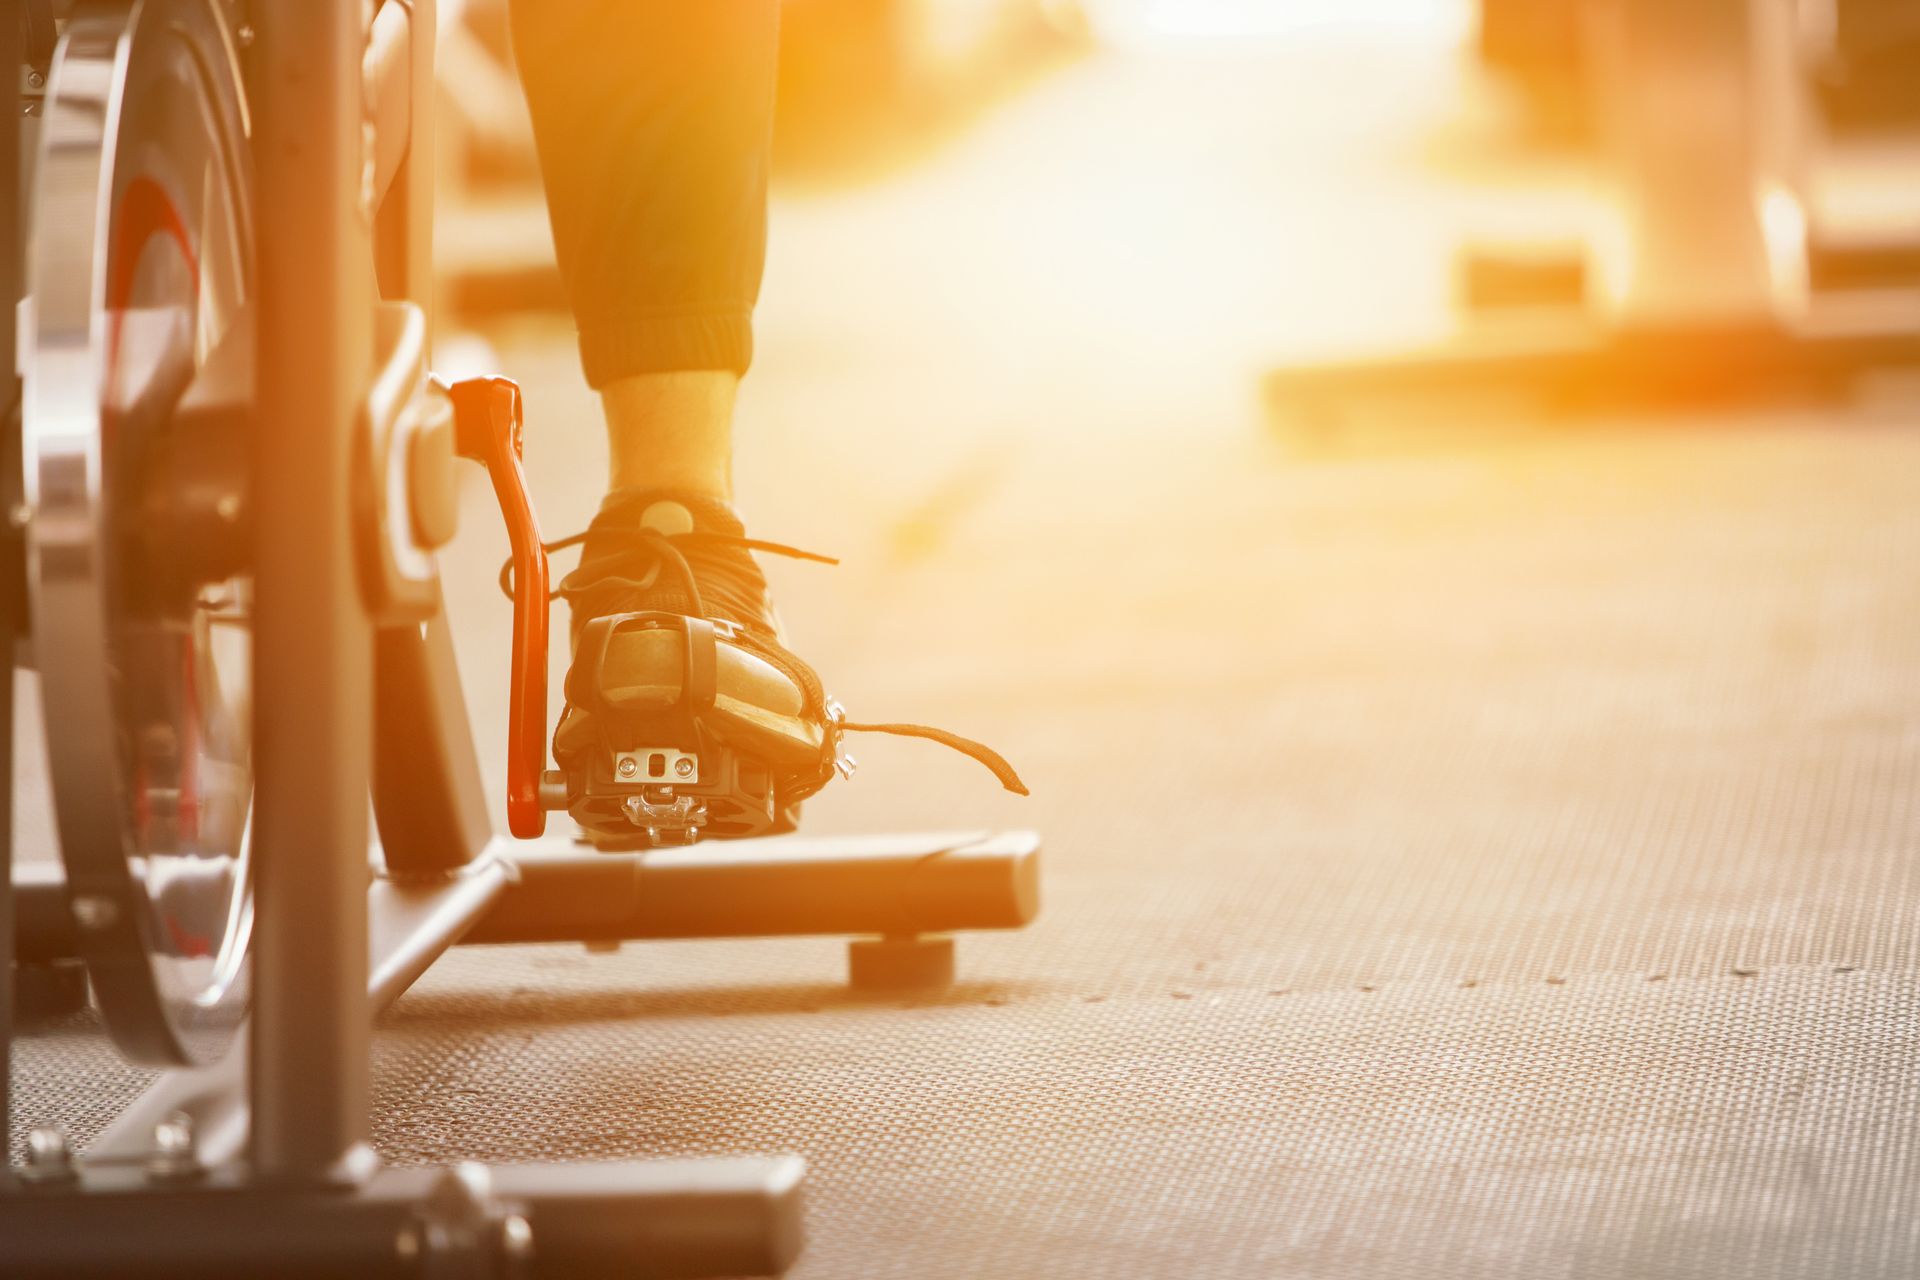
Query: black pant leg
[[653, 120]]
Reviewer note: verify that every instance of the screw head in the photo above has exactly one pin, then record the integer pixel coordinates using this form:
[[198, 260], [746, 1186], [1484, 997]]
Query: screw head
[[48, 1146], [174, 1136], [174, 1157], [516, 1237], [683, 766], [35, 80], [627, 767], [460, 1196], [49, 1156], [94, 912]]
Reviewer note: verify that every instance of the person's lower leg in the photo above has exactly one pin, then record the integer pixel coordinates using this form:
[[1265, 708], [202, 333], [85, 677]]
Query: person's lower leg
[[653, 120], [671, 431]]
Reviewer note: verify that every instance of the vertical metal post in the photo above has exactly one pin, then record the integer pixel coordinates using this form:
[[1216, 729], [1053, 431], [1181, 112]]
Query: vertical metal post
[[312, 639], [1702, 113], [9, 630], [403, 233], [12, 548], [427, 793]]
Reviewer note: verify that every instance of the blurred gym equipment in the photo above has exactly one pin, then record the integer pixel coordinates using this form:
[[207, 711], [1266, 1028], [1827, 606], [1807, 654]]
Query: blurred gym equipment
[[1728, 264], [237, 476]]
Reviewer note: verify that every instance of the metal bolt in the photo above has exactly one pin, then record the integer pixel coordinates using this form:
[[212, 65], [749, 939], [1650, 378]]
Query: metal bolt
[[462, 1191], [174, 1155], [49, 1156], [174, 1135], [683, 766], [516, 1237], [369, 198], [35, 80], [94, 912], [47, 1146], [627, 767]]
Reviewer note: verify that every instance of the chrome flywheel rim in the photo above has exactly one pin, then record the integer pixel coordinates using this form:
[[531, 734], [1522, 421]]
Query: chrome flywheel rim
[[139, 267]]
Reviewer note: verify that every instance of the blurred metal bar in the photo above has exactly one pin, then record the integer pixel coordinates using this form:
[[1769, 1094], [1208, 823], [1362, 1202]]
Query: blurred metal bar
[[12, 547], [410, 919], [402, 104], [769, 888], [665, 1219], [410, 923], [659, 1219], [554, 891], [387, 72], [42, 923], [213, 1097], [1707, 124], [1568, 363], [313, 645]]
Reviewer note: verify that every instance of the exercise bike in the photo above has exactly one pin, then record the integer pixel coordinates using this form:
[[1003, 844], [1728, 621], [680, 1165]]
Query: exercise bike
[[1723, 272], [234, 478]]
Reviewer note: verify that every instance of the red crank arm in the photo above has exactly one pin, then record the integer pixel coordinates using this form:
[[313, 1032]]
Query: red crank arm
[[486, 426]]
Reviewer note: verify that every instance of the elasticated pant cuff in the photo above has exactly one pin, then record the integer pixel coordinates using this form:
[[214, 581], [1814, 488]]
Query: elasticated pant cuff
[[665, 344]]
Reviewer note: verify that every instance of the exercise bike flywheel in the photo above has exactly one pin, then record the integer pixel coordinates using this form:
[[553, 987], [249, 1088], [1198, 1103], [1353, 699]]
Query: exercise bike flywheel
[[140, 271]]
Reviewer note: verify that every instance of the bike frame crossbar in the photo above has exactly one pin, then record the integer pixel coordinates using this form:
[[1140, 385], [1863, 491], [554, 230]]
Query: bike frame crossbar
[[661, 1219], [557, 891]]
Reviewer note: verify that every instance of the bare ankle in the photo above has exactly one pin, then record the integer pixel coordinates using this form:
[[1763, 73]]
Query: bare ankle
[[671, 431]]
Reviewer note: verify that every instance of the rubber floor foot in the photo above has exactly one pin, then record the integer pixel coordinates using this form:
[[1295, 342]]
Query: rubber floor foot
[[918, 963]]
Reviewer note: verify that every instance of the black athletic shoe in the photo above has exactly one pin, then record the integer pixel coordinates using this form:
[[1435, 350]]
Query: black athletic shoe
[[687, 714]]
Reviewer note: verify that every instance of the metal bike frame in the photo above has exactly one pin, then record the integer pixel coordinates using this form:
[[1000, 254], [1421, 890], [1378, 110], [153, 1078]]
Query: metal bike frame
[[281, 1179], [12, 544], [1705, 293], [313, 642]]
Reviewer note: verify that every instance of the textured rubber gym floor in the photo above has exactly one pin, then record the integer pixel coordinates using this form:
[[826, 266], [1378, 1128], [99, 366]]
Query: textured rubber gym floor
[[1493, 858]]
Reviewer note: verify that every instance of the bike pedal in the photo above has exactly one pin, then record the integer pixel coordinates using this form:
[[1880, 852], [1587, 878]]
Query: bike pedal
[[650, 797]]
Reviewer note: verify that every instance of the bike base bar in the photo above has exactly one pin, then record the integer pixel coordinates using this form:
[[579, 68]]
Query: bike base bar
[[779, 887], [657, 1218], [557, 891]]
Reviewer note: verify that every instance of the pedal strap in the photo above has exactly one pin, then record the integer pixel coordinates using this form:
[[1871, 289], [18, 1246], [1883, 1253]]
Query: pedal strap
[[980, 751], [699, 685], [583, 686], [701, 682]]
